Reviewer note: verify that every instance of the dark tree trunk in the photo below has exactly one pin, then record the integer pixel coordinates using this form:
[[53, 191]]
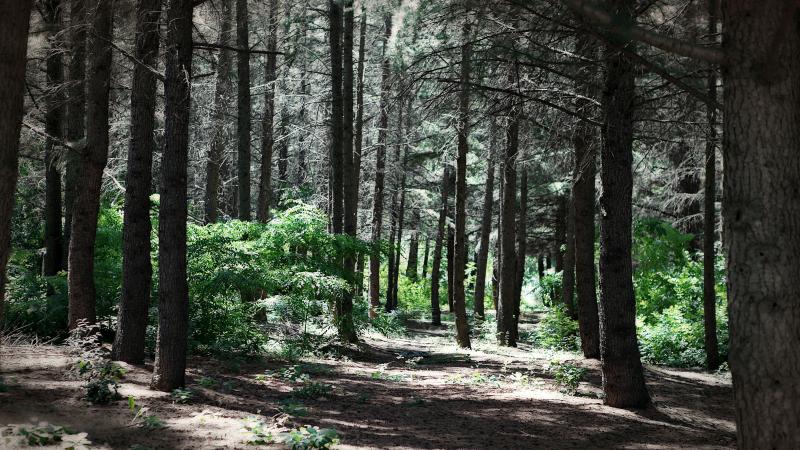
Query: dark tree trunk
[[268, 133], [505, 307], [391, 263], [412, 263], [425, 257], [243, 134], [52, 260], [173, 290], [358, 127], [460, 254], [76, 117], [560, 236], [709, 211], [87, 199], [451, 267], [583, 192], [486, 231], [398, 244], [337, 151], [497, 262], [436, 314], [137, 272], [220, 114], [540, 266], [522, 243], [13, 47], [623, 376], [568, 274], [380, 172], [761, 218]]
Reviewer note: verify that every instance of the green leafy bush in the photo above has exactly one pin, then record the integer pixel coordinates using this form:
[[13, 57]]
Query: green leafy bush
[[549, 288], [306, 438], [557, 330], [567, 375]]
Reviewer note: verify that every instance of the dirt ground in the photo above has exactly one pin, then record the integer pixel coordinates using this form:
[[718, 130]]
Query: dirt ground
[[412, 392]]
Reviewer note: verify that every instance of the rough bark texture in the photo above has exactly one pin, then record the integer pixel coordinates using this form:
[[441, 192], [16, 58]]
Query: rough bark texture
[[173, 290], [54, 125], [87, 198], [436, 274], [709, 212], [412, 262], [522, 243], [220, 113], [425, 254], [460, 255], [137, 271], [380, 172], [76, 117], [486, 231], [623, 376], [568, 274], [451, 244], [13, 49], [268, 133], [761, 218], [508, 261], [337, 151], [243, 133], [583, 197]]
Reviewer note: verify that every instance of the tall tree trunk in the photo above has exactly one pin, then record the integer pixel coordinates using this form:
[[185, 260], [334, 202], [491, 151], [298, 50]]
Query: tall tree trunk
[[337, 150], [87, 199], [623, 376], [486, 231], [54, 125], [220, 113], [497, 260], [451, 266], [460, 256], [505, 307], [76, 113], [540, 266], [425, 257], [243, 134], [568, 274], [137, 272], [173, 290], [13, 47], [391, 255], [583, 198], [436, 314], [522, 243], [268, 134], [380, 172], [412, 263], [709, 211], [761, 221]]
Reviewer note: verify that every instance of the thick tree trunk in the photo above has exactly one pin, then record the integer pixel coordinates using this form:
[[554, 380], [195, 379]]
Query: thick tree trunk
[[380, 173], [460, 255], [522, 243], [709, 212], [623, 376], [137, 271], [761, 218], [540, 266], [337, 150], [497, 262], [268, 133], [220, 113], [436, 314], [412, 263], [173, 290], [568, 274], [583, 197], [13, 47], [87, 199], [52, 260], [486, 231], [243, 133], [76, 116]]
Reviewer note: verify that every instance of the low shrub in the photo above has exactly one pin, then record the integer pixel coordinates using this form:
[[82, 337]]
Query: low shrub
[[557, 330]]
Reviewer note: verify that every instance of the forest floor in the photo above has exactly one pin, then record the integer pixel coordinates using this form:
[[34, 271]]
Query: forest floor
[[412, 392]]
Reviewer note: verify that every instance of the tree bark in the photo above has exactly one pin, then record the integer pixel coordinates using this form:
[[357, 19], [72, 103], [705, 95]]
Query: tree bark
[[337, 150], [268, 133], [583, 198], [623, 376], [173, 290], [13, 47], [243, 133], [412, 263], [220, 113], [486, 231], [52, 260], [760, 218], [436, 314], [137, 271], [709, 212], [522, 243], [380, 172], [568, 274], [451, 266], [87, 199], [425, 257], [76, 117]]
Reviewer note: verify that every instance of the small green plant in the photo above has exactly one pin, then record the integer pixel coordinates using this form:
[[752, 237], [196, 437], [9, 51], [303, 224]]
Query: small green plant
[[153, 422], [294, 374], [567, 375], [257, 432], [390, 324], [306, 438], [182, 396], [144, 420], [41, 434], [293, 408], [102, 391], [207, 382], [557, 330], [311, 390]]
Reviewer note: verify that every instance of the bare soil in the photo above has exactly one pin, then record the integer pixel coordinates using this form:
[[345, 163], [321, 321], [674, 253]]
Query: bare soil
[[412, 392]]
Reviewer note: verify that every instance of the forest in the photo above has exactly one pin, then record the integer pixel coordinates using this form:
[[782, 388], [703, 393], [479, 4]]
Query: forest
[[405, 224]]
